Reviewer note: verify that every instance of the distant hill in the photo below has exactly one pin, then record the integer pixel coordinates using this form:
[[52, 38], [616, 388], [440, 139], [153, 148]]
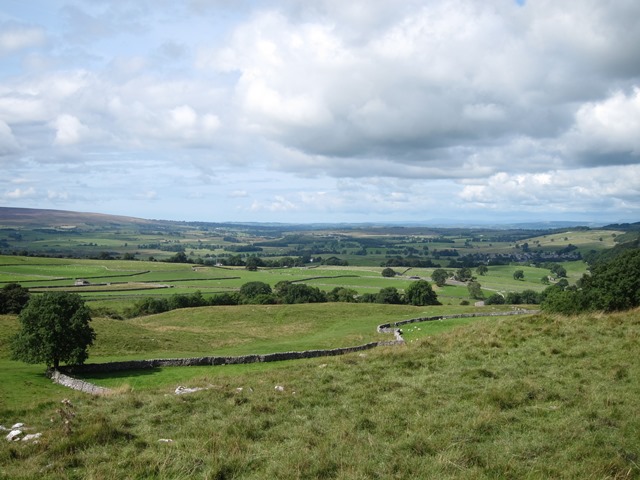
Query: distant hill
[[34, 217]]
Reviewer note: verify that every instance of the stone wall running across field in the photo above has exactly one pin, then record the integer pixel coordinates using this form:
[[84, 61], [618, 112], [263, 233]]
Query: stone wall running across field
[[63, 378], [76, 384], [393, 327]]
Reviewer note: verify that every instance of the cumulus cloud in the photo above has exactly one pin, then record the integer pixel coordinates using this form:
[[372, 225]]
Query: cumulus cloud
[[69, 130], [492, 103], [594, 189], [445, 76], [608, 131]]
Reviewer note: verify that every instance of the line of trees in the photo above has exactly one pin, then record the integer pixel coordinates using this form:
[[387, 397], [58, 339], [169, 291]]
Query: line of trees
[[284, 292]]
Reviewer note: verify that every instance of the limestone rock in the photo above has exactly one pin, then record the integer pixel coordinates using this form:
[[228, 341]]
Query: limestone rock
[[182, 390], [31, 436], [14, 435]]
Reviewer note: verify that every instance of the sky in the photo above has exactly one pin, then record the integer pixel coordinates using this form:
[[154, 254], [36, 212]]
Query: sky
[[297, 111]]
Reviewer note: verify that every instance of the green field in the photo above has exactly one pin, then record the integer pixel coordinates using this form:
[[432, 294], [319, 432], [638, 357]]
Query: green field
[[237, 330], [115, 284], [520, 397]]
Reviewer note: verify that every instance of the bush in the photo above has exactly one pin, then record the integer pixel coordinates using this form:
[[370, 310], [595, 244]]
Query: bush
[[225, 299], [252, 289], [495, 299], [291, 293], [389, 295], [388, 272]]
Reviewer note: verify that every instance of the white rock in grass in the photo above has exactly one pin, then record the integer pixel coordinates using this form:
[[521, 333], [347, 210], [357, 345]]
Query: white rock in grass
[[279, 388], [14, 435], [3, 428], [16, 426], [181, 390], [31, 436], [165, 440]]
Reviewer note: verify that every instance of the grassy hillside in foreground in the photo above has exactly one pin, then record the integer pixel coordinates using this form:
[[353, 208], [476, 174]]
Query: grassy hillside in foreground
[[224, 330], [521, 397]]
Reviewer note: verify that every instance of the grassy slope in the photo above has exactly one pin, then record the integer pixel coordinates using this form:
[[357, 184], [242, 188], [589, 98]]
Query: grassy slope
[[525, 397], [207, 331]]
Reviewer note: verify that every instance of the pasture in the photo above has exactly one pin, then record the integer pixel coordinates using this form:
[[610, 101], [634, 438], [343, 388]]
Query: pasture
[[227, 330], [115, 284], [521, 397]]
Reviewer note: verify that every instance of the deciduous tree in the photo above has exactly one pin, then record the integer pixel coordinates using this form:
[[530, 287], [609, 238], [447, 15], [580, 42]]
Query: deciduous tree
[[55, 327], [421, 293], [439, 276]]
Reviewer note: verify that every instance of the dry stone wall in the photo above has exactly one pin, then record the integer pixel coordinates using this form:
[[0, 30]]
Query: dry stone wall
[[204, 361], [62, 378], [76, 384], [392, 327]]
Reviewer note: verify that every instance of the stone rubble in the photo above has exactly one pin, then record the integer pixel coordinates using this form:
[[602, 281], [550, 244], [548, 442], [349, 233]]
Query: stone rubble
[[17, 430]]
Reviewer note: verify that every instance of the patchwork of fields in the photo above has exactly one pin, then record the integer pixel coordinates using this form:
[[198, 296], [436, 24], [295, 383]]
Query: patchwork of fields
[[117, 282]]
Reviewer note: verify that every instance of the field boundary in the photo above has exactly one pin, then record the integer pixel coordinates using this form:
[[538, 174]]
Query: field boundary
[[62, 376]]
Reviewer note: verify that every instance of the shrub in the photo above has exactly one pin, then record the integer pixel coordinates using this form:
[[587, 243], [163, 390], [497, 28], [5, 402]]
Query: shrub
[[388, 272]]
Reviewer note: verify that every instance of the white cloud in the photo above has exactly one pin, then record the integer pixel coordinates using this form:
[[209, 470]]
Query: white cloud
[[55, 195], [608, 129], [277, 204], [377, 107], [239, 194], [8, 143], [69, 130], [18, 37], [589, 189], [19, 194], [147, 195]]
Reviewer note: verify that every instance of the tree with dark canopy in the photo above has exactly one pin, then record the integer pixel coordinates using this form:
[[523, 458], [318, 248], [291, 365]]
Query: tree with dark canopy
[[13, 298], [421, 293], [54, 328]]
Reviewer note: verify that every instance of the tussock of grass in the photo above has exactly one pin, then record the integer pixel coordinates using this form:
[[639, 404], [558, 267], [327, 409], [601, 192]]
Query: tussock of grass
[[533, 397]]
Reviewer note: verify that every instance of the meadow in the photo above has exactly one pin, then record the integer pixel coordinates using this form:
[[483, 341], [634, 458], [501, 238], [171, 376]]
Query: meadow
[[116, 284], [520, 397]]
